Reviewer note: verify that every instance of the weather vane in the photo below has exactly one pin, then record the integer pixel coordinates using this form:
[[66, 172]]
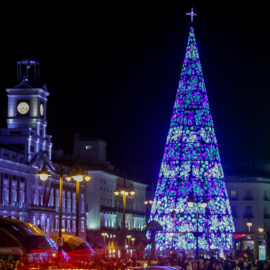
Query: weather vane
[[191, 14]]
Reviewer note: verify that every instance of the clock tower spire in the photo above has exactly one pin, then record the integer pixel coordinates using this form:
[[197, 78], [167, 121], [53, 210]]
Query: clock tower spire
[[26, 116]]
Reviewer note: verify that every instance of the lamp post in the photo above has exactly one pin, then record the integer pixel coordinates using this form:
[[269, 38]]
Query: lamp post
[[133, 239], [44, 174], [148, 211], [129, 237], [190, 202], [78, 177], [104, 234], [249, 224], [124, 191]]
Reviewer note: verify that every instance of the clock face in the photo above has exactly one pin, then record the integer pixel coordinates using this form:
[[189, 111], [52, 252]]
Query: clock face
[[41, 109], [23, 107]]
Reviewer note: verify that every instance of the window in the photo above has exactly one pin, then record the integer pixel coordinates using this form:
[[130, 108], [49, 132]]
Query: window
[[233, 194], [74, 225], [6, 192], [88, 147], [265, 197], [82, 225], [82, 204], [21, 195], [69, 200], [74, 203], [265, 214], [248, 209], [248, 195], [14, 193], [68, 225]]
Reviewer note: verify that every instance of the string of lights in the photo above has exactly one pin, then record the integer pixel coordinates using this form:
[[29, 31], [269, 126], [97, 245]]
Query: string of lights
[[191, 164]]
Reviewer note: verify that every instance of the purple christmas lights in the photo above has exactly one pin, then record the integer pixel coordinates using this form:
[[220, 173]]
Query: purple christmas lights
[[191, 165]]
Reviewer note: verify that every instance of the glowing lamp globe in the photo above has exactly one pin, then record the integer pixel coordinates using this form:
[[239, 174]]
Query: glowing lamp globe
[[78, 177]]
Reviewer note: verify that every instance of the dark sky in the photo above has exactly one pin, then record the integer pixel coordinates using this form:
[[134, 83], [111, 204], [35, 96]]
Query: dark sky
[[112, 71]]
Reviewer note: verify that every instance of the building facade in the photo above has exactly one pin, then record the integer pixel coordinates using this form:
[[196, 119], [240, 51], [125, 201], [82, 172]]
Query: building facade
[[25, 147], [105, 210], [249, 193]]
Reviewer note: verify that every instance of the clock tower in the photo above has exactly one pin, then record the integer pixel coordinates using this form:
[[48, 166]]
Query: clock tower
[[26, 116]]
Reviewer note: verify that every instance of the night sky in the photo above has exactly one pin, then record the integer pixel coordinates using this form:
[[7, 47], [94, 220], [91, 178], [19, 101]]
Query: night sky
[[112, 71]]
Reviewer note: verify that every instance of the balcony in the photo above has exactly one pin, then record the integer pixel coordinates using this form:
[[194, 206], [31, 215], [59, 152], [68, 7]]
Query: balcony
[[109, 209], [41, 208], [14, 206]]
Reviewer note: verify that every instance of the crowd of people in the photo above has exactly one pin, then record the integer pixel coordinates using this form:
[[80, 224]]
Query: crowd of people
[[105, 263], [215, 263]]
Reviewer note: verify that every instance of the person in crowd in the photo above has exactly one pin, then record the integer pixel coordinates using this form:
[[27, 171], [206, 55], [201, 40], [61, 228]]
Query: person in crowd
[[219, 265], [212, 265], [260, 265], [234, 265], [201, 265]]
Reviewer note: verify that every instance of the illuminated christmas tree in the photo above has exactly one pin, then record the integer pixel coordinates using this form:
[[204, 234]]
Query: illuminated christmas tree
[[191, 169]]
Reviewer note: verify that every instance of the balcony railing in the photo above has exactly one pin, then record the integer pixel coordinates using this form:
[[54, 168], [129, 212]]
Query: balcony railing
[[42, 208], [14, 206], [104, 208]]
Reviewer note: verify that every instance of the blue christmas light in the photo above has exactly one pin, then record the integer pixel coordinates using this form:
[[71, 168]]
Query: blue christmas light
[[191, 165]]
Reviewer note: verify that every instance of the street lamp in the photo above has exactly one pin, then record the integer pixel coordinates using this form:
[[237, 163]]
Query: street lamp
[[148, 211], [249, 224], [133, 239], [124, 191], [148, 202], [129, 237], [78, 176], [44, 174], [190, 202], [260, 230], [104, 234]]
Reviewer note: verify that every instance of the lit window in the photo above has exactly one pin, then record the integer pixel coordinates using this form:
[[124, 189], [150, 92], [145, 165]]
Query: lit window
[[88, 147], [233, 193]]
